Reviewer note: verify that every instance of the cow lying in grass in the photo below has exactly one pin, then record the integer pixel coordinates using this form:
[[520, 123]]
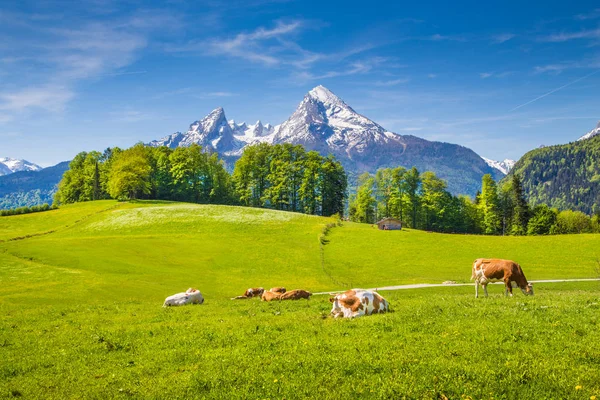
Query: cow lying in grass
[[296, 295], [358, 302], [190, 296], [268, 296], [249, 293], [486, 270]]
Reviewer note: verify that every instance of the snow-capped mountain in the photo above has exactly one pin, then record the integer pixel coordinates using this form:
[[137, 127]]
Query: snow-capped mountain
[[216, 133], [502, 166], [10, 165], [325, 123], [591, 133]]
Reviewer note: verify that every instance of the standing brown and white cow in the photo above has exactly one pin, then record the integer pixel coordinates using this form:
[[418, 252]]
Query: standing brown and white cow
[[486, 270]]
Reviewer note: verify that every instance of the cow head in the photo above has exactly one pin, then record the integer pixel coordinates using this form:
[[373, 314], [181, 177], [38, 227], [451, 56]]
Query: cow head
[[528, 290], [336, 309]]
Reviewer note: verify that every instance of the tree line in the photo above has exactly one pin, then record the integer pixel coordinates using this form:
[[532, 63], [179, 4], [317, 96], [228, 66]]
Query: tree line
[[282, 176], [422, 201]]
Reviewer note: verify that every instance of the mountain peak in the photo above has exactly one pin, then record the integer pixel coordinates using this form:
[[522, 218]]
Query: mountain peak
[[9, 165], [324, 95]]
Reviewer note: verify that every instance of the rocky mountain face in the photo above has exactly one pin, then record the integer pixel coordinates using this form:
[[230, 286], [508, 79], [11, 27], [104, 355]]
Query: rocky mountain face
[[11, 165], [325, 123]]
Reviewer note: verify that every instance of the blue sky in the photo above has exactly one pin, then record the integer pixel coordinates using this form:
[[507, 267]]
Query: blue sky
[[501, 79]]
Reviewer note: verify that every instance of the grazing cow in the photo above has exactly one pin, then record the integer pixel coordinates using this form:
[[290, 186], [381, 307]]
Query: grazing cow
[[190, 296], [268, 296], [486, 270], [277, 289], [296, 295], [357, 302]]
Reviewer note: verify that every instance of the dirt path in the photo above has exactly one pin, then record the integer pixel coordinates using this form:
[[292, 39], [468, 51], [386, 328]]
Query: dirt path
[[429, 285]]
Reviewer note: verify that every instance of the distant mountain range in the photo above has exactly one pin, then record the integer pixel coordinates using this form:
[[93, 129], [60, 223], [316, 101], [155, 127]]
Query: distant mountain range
[[11, 165], [325, 123], [30, 187]]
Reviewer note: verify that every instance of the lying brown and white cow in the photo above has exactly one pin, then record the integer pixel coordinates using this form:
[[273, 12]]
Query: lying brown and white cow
[[358, 302], [268, 296], [296, 294], [190, 296], [486, 270], [249, 293]]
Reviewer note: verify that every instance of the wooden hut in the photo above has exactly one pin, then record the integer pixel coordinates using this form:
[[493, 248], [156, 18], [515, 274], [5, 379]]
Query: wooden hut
[[390, 224]]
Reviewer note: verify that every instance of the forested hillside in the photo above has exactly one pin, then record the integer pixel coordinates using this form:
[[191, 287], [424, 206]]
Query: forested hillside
[[564, 176], [29, 188]]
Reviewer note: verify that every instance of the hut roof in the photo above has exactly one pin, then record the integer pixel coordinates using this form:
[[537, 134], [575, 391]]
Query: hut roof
[[389, 220]]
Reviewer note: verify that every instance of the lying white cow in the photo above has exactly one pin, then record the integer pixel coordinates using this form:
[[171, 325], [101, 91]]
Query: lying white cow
[[357, 302], [190, 296]]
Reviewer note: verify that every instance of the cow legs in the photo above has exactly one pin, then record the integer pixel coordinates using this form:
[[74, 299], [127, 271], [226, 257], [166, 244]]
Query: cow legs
[[508, 287], [485, 290], [476, 289]]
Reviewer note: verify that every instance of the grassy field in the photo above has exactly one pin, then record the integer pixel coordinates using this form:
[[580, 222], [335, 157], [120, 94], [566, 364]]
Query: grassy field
[[81, 316]]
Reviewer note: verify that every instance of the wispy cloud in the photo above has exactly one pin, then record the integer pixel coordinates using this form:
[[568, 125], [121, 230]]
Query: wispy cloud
[[567, 36], [65, 56], [560, 67], [392, 82], [453, 38], [214, 95], [353, 68], [503, 37], [50, 98], [261, 45], [553, 91], [485, 75], [591, 15]]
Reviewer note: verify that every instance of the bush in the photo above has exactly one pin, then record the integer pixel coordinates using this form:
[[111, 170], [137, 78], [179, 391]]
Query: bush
[[27, 210]]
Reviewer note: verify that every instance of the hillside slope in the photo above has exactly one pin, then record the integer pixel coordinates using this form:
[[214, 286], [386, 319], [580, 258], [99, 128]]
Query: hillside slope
[[564, 176]]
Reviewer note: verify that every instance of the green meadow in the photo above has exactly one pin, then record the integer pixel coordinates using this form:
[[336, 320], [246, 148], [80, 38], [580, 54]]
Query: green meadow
[[81, 292]]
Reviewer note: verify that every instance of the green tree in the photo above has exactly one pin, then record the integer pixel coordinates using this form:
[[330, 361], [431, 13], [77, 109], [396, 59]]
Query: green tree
[[362, 206], [130, 174], [489, 205], [521, 212], [412, 182], [542, 220]]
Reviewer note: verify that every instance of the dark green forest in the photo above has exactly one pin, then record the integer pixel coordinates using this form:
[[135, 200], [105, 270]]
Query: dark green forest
[[565, 176]]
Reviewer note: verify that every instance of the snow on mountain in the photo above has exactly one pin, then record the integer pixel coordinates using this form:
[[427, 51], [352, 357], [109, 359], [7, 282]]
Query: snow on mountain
[[323, 121], [10, 165], [502, 166], [591, 133], [216, 133]]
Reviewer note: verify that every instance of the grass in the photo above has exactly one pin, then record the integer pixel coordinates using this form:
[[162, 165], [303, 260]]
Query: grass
[[80, 313]]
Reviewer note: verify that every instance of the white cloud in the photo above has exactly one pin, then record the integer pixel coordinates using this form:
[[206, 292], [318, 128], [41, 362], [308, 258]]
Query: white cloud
[[566, 36], [49, 98], [503, 37], [392, 82], [484, 75]]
